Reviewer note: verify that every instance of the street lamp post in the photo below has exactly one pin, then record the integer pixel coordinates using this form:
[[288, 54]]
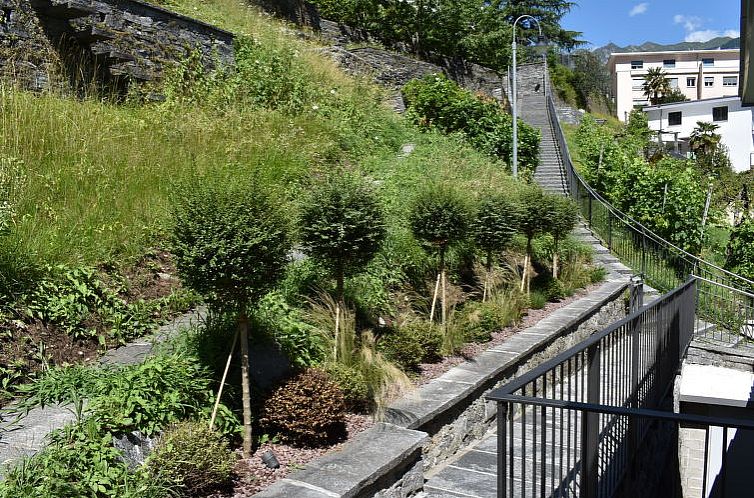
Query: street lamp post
[[515, 84]]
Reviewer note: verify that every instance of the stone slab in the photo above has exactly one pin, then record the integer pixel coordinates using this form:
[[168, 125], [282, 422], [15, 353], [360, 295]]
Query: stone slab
[[374, 453]]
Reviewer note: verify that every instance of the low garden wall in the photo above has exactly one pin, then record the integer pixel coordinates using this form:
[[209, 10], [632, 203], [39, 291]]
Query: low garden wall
[[434, 422]]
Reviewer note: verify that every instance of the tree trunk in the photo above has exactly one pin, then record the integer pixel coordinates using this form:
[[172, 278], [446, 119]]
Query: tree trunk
[[555, 261], [339, 285], [243, 328], [442, 281]]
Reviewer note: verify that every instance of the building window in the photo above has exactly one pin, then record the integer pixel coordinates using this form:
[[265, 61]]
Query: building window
[[668, 63], [673, 82], [708, 62], [720, 113], [637, 84], [637, 64], [730, 80], [691, 81], [709, 81], [674, 118]]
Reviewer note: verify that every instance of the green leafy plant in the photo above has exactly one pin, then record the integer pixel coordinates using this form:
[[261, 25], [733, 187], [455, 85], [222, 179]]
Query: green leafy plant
[[494, 226], [352, 383], [308, 409], [342, 226], [741, 249], [411, 344], [439, 218], [565, 214], [435, 102], [231, 246], [191, 459], [536, 218]]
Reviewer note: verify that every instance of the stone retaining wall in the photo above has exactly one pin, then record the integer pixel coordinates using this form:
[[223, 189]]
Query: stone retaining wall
[[118, 41]]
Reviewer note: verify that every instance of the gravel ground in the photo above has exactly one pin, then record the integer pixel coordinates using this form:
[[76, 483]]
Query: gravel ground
[[253, 476]]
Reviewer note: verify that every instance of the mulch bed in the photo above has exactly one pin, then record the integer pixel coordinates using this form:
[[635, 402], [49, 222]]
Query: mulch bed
[[252, 476]]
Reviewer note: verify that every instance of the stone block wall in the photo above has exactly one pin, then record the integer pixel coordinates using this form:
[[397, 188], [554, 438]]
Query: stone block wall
[[118, 41]]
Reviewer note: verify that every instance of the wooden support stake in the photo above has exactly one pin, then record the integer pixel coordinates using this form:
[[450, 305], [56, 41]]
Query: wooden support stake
[[434, 299], [222, 382]]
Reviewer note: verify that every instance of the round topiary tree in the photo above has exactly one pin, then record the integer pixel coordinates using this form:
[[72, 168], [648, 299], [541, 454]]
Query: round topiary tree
[[495, 224], [565, 214], [439, 218], [536, 218], [230, 245], [342, 226]]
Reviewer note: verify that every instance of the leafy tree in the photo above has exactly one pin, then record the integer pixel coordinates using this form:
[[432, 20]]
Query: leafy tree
[[495, 224], [230, 245], [565, 214], [536, 218], [439, 218], [656, 85], [342, 226], [740, 257], [675, 95]]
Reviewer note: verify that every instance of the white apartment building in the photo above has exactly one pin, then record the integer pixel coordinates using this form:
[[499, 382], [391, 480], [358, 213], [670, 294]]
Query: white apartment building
[[699, 74], [678, 120]]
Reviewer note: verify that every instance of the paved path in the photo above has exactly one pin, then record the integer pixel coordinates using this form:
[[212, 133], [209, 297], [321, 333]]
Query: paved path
[[27, 436]]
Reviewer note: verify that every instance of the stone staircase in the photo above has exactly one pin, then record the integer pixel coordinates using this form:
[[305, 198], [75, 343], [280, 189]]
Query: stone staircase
[[532, 109]]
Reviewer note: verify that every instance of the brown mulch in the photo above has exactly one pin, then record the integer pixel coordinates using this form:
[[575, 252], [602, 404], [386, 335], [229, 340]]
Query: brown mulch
[[253, 476]]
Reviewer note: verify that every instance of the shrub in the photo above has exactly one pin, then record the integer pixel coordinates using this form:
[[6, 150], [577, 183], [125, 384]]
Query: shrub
[[741, 249], [192, 459], [537, 300], [308, 409], [435, 102], [352, 383], [480, 320], [536, 217], [565, 214]]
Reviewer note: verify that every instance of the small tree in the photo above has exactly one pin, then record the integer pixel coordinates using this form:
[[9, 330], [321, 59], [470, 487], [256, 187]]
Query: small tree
[[231, 246], [565, 214], [342, 226], [656, 85], [439, 218], [536, 218], [495, 224], [704, 139]]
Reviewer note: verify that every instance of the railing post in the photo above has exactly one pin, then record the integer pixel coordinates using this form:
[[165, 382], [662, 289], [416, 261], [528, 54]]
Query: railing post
[[502, 445], [589, 196], [643, 252], [609, 230], [636, 301], [590, 428]]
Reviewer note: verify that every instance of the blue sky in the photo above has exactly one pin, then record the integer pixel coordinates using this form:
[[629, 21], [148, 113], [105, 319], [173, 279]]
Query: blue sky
[[662, 21]]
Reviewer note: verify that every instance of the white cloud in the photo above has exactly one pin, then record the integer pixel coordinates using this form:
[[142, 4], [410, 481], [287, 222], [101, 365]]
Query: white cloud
[[691, 25], [639, 9]]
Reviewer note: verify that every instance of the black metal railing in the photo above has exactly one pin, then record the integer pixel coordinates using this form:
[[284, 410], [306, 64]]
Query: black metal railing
[[662, 264], [591, 420]]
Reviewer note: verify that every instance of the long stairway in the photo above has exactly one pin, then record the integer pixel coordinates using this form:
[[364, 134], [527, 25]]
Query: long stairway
[[532, 109]]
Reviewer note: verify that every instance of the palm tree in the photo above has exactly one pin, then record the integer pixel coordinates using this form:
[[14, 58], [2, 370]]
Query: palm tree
[[656, 85], [704, 140]]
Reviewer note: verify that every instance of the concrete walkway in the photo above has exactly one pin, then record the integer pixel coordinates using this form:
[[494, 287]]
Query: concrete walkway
[[25, 437]]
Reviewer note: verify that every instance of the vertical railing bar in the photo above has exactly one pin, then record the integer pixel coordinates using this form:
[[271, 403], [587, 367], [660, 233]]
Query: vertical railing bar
[[705, 463], [502, 444]]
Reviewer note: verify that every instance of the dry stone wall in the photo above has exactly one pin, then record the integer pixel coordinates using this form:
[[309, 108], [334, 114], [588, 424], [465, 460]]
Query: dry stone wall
[[118, 41]]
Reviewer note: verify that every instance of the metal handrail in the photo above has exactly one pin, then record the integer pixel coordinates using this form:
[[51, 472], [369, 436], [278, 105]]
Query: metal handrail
[[627, 220], [535, 373], [576, 181]]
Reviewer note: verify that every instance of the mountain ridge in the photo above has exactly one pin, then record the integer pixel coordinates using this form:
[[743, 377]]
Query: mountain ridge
[[721, 43]]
